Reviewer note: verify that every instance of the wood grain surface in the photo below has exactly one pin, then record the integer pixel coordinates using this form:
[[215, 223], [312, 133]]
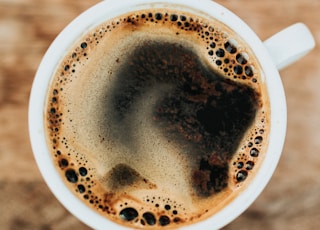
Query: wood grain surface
[[291, 200]]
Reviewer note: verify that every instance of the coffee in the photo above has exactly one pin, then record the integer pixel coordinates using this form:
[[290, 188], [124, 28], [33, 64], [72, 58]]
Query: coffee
[[158, 118]]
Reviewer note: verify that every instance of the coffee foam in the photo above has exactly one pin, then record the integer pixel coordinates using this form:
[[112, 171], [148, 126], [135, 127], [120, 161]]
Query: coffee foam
[[102, 157]]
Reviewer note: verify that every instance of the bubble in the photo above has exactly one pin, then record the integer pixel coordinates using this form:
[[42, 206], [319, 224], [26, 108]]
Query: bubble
[[176, 220], [64, 163], [71, 176], [128, 214], [213, 45], [183, 18], [249, 165], [52, 110], [218, 62], [230, 46], [241, 175], [167, 207], [164, 220], [254, 152], [149, 218], [83, 171], [240, 165], [238, 69], [210, 52], [158, 16], [220, 52], [67, 67], [248, 71], [258, 140], [81, 188], [54, 100], [83, 45], [173, 17], [242, 58]]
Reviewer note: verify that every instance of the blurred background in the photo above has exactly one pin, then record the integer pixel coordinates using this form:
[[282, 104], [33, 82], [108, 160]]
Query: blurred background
[[27, 27]]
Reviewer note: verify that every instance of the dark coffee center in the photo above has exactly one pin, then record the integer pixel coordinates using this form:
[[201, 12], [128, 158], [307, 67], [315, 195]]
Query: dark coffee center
[[201, 109]]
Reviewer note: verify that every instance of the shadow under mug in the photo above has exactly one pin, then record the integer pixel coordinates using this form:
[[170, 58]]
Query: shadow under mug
[[274, 54]]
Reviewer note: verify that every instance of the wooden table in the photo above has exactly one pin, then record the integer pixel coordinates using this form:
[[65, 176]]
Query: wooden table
[[27, 27]]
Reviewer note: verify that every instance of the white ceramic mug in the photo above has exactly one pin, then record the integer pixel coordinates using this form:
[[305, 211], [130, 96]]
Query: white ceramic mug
[[274, 54]]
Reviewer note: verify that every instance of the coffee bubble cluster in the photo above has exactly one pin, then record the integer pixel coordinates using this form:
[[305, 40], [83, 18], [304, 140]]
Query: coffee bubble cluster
[[245, 162], [124, 194]]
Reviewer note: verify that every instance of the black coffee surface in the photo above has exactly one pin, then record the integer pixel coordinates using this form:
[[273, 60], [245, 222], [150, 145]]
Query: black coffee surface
[[157, 119]]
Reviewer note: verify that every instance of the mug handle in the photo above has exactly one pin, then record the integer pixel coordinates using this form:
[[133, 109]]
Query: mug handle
[[290, 44]]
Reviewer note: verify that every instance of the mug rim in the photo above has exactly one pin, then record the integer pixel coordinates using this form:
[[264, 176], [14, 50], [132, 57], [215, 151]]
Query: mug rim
[[95, 16]]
